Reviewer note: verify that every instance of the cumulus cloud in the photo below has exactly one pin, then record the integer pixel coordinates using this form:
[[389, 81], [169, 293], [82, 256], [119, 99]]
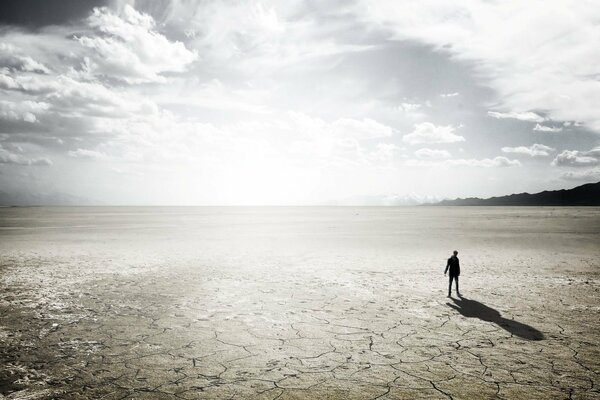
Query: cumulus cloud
[[26, 110], [427, 132], [525, 74], [426, 153], [9, 157], [523, 116], [129, 48], [576, 158], [12, 58], [72, 97], [534, 150], [544, 128]]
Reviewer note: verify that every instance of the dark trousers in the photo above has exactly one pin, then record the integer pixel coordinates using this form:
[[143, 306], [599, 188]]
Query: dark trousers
[[450, 284]]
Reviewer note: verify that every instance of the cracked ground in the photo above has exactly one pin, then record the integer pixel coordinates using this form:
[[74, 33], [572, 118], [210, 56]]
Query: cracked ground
[[298, 303]]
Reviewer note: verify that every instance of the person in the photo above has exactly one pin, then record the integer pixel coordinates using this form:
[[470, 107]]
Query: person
[[454, 266]]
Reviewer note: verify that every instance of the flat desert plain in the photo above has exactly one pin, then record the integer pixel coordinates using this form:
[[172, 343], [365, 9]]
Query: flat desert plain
[[299, 303]]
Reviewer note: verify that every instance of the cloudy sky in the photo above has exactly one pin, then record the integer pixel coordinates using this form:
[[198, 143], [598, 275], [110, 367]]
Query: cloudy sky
[[289, 102]]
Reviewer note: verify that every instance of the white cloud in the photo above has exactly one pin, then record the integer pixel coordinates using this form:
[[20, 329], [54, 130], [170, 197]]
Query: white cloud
[[337, 143], [543, 128], [461, 162], [523, 116], [258, 37], [11, 57], [426, 153], [534, 150], [360, 129], [26, 110], [130, 49], [384, 152], [536, 55], [486, 162], [409, 107], [589, 175], [74, 97], [85, 153], [576, 158], [427, 132], [213, 94], [8, 157], [446, 95]]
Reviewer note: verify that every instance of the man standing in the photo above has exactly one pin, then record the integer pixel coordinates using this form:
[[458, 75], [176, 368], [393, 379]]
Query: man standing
[[454, 266]]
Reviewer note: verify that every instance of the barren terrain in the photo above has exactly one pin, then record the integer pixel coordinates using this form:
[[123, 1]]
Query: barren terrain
[[299, 303]]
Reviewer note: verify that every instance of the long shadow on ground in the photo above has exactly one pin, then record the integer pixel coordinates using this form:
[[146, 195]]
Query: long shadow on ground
[[475, 309]]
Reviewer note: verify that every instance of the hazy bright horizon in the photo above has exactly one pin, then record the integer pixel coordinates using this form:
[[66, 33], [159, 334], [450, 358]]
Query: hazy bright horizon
[[291, 103]]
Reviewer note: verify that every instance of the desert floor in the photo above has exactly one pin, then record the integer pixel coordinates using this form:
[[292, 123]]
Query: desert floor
[[299, 303]]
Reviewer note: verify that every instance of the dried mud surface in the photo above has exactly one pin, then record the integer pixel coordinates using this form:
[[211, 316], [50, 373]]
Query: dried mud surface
[[298, 303]]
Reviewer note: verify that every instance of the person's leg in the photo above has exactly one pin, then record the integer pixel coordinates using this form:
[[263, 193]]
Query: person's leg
[[457, 291], [450, 285]]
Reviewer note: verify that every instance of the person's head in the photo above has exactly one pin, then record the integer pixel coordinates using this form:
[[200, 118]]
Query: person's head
[[455, 252]]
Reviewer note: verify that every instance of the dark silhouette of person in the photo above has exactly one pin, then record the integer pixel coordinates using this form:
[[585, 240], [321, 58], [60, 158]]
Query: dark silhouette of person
[[454, 266]]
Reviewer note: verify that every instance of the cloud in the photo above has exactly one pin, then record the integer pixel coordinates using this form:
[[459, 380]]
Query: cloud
[[214, 94], [461, 162], [522, 116], [427, 132], [426, 153], [26, 110], [589, 175], [128, 48], [244, 97], [384, 152], [340, 142], [543, 128], [534, 150], [414, 110], [8, 157], [72, 97], [11, 57], [486, 162], [360, 129], [258, 37], [85, 153], [409, 107], [576, 158], [555, 69]]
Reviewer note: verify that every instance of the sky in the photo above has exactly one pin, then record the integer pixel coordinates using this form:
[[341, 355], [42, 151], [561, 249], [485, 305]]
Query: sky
[[297, 102]]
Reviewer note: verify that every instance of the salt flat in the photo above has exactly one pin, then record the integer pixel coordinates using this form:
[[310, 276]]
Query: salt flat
[[298, 303]]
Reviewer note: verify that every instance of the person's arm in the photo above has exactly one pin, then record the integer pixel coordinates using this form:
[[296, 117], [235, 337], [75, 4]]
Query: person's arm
[[447, 266]]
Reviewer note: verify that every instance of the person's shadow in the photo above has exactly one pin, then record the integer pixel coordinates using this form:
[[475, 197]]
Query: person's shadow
[[475, 309]]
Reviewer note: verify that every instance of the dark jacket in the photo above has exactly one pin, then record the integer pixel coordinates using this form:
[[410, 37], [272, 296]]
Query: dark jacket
[[454, 266]]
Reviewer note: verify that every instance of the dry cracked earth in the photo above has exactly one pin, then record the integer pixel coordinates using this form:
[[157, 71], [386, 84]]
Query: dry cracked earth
[[106, 303]]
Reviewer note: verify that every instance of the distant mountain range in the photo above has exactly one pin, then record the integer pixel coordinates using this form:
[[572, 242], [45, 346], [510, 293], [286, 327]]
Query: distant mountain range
[[584, 195]]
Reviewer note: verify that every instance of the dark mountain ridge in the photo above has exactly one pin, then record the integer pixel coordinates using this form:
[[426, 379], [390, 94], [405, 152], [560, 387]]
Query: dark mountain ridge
[[584, 195]]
